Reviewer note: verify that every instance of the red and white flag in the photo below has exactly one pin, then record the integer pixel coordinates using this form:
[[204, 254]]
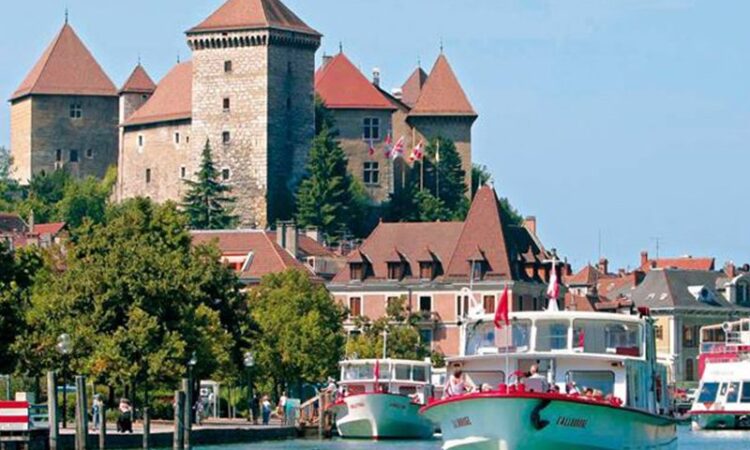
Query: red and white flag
[[371, 151], [388, 145], [553, 290], [398, 149], [501, 313], [417, 152]]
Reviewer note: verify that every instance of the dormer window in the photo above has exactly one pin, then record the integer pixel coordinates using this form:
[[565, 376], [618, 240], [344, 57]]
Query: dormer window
[[395, 270], [478, 270], [427, 270], [357, 271]]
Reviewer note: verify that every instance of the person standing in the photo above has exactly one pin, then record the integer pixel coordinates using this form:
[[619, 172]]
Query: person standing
[[255, 408], [282, 407], [266, 405], [96, 408]]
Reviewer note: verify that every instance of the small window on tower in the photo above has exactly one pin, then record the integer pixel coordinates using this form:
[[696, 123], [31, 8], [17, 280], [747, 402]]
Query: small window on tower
[[226, 138], [371, 129], [371, 173], [140, 140], [58, 155], [74, 156], [76, 111], [227, 66], [225, 174], [183, 172], [148, 176], [90, 153], [226, 103], [177, 138]]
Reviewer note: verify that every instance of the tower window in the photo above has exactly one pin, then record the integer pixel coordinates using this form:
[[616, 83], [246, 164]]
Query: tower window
[[140, 140], [227, 66], [58, 155], [371, 174], [148, 176], [226, 104], [226, 138], [76, 111], [371, 129], [177, 138], [90, 153], [183, 172], [74, 156], [225, 174]]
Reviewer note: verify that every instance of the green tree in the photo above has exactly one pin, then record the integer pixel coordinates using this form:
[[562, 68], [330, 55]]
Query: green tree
[[444, 175], [206, 202], [9, 189], [297, 329], [86, 199], [325, 195], [480, 175], [323, 117]]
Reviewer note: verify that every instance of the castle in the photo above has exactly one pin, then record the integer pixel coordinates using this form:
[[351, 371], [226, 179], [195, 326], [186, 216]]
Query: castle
[[249, 91]]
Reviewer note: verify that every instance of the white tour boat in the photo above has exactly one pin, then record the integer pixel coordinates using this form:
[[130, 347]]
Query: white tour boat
[[381, 399], [576, 380], [723, 399]]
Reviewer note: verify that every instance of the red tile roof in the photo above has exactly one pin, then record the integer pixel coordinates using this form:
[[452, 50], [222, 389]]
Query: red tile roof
[[413, 87], [483, 232], [307, 245], [66, 68], [10, 222], [48, 228], [172, 99], [442, 94], [588, 276], [685, 263], [138, 82], [253, 14], [342, 86]]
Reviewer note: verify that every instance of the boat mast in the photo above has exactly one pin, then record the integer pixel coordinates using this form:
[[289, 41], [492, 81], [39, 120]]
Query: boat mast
[[385, 344]]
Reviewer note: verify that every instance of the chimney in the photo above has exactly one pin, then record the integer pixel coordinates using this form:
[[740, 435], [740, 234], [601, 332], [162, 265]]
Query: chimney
[[281, 233], [313, 233], [291, 239], [31, 222], [644, 259], [326, 59], [530, 224], [730, 270], [397, 93], [376, 77], [603, 266]]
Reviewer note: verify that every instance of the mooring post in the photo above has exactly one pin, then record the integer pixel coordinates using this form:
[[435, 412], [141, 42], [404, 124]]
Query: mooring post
[[54, 426], [82, 416], [321, 414], [179, 414], [102, 426], [146, 428], [187, 417]]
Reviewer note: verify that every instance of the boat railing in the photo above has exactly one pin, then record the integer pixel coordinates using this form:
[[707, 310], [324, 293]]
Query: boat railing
[[310, 411]]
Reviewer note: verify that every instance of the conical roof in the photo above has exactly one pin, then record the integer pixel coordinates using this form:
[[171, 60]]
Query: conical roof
[[252, 14], [66, 68], [139, 82], [413, 87], [172, 99], [342, 86], [442, 94]]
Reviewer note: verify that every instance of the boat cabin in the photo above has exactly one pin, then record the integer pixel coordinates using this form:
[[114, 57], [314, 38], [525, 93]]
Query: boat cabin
[[725, 342], [598, 354], [387, 376]]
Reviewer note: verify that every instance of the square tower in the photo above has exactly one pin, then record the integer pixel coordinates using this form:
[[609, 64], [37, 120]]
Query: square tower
[[252, 99]]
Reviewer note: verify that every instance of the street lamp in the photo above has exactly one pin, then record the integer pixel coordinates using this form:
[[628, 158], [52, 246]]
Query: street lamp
[[189, 395], [64, 347], [249, 362]]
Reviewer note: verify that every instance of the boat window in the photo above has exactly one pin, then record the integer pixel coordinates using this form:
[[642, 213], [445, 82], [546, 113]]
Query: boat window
[[745, 398], [385, 372], [520, 337], [733, 392], [420, 373], [611, 337], [708, 392], [551, 335], [360, 372], [597, 380], [403, 372]]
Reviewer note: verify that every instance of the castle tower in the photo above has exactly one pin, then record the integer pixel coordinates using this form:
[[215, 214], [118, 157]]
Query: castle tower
[[252, 98], [64, 113], [135, 92]]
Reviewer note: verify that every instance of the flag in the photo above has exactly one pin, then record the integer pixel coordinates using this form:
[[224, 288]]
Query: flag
[[371, 151], [388, 145], [398, 149], [418, 152], [501, 313], [553, 290], [437, 153]]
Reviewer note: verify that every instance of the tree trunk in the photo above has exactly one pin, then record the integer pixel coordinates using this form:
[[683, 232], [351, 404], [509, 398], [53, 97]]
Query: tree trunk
[[111, 397]]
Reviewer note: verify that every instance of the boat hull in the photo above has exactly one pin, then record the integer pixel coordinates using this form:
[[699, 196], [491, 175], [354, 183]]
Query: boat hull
[[381, 416], [494, 422], [719, 421]]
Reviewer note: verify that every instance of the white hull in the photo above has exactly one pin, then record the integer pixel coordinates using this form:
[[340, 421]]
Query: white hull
[[728, 421], [381, 416], [486, 422]]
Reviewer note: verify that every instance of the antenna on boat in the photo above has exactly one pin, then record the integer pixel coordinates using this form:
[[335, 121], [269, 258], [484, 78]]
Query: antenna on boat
[[385, 344]]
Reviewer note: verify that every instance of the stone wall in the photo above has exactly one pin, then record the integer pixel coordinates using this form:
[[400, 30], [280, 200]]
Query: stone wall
[[94, 136], [457, 129], [162, 155], [129, 103]]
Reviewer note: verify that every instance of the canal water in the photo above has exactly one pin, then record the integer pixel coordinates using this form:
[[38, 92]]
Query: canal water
[[688, 440]]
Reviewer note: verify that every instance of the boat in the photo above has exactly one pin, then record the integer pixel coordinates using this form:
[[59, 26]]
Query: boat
[[723, 399], [583, 380], [380, 399]]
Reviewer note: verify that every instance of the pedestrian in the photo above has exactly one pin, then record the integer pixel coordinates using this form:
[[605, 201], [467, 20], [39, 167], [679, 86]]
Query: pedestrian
[[255, 408], [96, 407], [266, 405], [198, 411], [282, 407], [125, 420]]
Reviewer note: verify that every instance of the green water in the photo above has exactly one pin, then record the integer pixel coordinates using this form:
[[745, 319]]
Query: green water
[[688, 440]]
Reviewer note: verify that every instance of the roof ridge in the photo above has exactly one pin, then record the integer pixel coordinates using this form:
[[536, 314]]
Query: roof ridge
[[48, 55]]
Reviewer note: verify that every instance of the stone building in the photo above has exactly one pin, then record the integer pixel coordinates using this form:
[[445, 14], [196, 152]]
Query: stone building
[[434, 264], [248, 91], [64, 113], [424, 108]]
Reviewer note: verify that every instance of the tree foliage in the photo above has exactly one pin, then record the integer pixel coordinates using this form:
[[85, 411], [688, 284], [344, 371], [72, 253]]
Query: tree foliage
[[323, 117], [297, 329], [206, 201]]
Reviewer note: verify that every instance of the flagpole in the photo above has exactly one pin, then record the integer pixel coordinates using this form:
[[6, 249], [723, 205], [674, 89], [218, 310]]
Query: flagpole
[[437, 170], [507, 350]]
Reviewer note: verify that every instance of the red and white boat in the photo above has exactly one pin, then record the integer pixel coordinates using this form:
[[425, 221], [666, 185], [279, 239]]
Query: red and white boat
[[597, 385], [723, 398], [381, 399]]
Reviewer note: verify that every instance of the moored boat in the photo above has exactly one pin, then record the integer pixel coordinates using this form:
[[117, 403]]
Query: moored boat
[[380, 399], [574, 380], [723, 399]]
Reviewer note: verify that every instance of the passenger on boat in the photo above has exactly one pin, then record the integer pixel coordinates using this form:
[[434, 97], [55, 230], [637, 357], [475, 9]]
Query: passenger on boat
[[535, 382], [485, 388], [554, 389], [457, 385]]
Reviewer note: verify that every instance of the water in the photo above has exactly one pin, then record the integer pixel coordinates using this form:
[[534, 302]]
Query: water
[[688, 440]]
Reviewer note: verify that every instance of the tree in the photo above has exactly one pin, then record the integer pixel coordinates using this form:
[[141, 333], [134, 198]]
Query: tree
[[86, 199], [444, 175], [9, 189], [206, 202], [323, 117], [324, 196], [297, 331]]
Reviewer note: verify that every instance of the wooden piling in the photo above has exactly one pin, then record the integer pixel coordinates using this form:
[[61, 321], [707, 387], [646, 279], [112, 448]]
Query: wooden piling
[[187, 418], [321, 414], [54, 426], [82, 416], [179, 414], [102, 427], [146, 428]]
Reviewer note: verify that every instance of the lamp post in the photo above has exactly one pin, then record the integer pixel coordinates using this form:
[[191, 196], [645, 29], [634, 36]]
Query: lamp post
[[249, 362], [64, 347], [191, 389]]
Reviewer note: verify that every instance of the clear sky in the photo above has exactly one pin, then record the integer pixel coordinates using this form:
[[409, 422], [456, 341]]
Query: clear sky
[[627, 119]]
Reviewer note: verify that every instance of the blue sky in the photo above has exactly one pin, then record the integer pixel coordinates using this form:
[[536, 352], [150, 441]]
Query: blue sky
[[628, 120]]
